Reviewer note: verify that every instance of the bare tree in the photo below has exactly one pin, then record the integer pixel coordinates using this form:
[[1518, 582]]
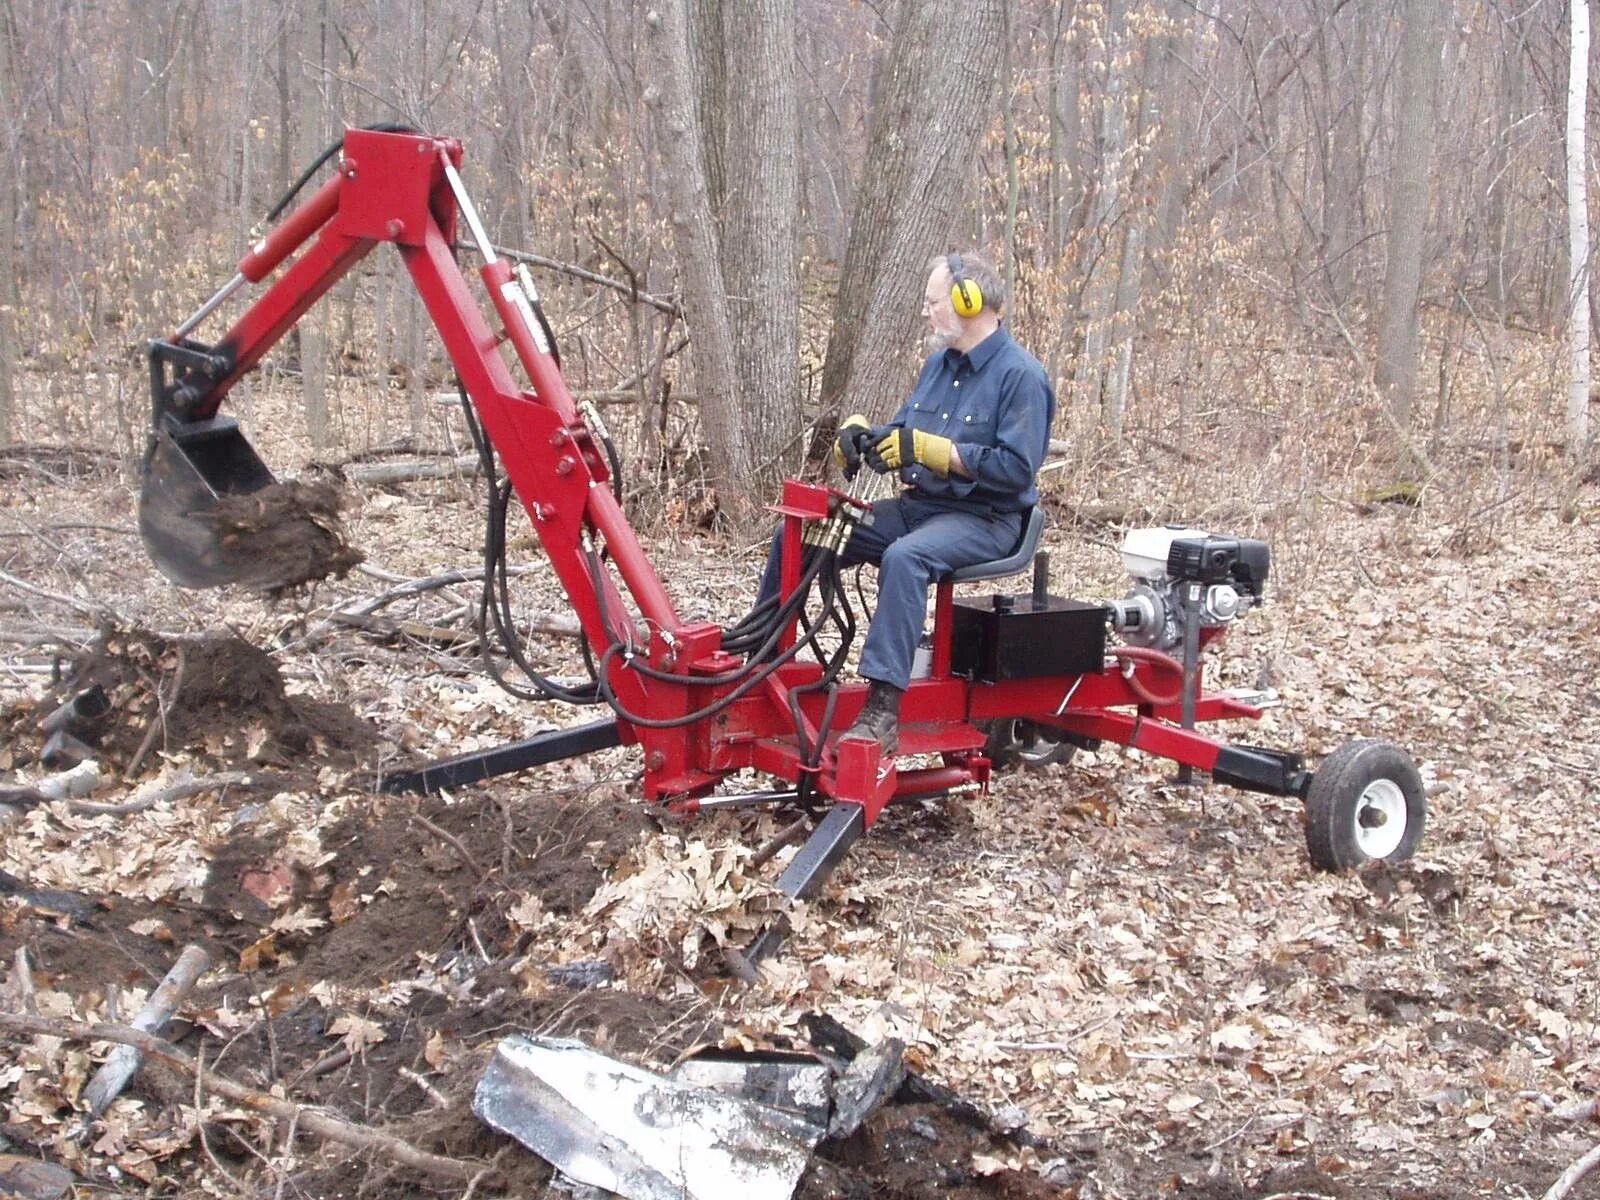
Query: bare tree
[[305, 64], [1106, 219], [10, 130], [725, 101], [1408, 206], [920, 164], [1578, 236]]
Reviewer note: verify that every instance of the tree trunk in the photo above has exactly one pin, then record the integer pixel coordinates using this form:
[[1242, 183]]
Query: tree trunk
[[760, 264], [1503, 172], [1100, 282], [304, 81], [10, 292], [1341, 77], [1408, 206], [921, 157], [1578, 237], [698, 242]]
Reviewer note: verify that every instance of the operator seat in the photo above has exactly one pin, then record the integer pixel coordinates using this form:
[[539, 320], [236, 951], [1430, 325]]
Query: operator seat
[[1019, 560]]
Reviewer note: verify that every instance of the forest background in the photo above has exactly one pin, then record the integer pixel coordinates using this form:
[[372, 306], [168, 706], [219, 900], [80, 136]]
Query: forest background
[[1285, 261], [1230, 227]]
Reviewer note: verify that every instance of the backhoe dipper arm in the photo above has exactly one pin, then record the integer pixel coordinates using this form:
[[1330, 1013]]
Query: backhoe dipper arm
[[403, 188]]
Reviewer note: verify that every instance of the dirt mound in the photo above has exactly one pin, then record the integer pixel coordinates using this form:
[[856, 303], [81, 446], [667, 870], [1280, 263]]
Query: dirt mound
[[215, 700], [285, 535]]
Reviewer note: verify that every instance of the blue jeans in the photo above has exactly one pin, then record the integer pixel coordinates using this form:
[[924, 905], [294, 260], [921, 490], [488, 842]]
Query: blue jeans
[[914, 543]]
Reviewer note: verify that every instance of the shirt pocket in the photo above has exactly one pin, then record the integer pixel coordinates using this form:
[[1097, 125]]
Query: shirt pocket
[[923, 413], [975, 424]]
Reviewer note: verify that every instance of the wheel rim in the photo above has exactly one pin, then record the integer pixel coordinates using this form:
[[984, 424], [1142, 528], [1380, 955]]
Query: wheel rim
[[1032, 743], [1380, 818]]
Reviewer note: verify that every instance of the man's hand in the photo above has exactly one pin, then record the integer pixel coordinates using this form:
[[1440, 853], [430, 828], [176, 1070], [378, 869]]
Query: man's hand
[[847, 447], [902, 447]]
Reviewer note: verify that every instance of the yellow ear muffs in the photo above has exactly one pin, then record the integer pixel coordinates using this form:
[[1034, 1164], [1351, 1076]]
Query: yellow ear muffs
[[966, 297]]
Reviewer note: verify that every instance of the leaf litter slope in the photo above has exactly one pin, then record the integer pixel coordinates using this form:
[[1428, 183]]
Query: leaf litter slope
[[1153, 974]]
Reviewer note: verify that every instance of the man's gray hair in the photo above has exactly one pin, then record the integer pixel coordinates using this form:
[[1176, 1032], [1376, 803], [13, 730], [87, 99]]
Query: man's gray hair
[[975, 265]]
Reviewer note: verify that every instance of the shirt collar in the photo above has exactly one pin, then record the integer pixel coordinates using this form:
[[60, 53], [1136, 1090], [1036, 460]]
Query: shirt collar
[[978, 357]]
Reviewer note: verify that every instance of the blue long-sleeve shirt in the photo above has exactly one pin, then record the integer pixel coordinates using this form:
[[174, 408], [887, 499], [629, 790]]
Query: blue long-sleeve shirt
[[995, 403]]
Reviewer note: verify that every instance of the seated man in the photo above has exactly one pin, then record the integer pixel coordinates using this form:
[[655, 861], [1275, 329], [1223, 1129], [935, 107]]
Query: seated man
[[967, 444]]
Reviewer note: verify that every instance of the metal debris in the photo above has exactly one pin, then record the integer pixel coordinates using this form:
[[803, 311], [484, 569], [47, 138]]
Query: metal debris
[[872, 1077], [798, 1084], [580, 974], [644, 1136]]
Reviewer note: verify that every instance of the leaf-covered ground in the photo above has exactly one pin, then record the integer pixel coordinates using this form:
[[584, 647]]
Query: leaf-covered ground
[[1153, 973]]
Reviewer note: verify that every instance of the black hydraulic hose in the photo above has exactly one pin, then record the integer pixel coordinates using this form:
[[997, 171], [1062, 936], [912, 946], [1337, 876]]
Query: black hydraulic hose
[[751, 674], [494, 602], [757, 659], [333, 148]]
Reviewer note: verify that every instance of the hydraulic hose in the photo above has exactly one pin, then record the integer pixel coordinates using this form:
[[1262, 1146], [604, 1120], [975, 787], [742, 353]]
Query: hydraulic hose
[[1147, 654]]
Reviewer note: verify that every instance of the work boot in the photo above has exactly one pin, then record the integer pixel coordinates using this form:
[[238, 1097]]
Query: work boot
[[880, 717]]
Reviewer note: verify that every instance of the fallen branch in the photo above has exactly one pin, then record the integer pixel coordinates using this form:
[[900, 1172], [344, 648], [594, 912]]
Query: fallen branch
[[115, 1072], [96, 612], [158, 791], [385, 629], [1570, 1177], [416, 587], [314, 1120], [63, 785], [1580, 1110], [382, 474], [452, 839]]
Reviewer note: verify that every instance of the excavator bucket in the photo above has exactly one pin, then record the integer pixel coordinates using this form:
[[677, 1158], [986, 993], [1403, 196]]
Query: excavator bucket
[[188, 469]]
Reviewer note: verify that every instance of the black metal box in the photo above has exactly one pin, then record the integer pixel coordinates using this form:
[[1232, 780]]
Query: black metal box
[[1017, 637]]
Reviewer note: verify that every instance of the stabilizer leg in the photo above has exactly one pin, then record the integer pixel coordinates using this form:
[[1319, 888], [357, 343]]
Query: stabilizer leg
[[502, 760]]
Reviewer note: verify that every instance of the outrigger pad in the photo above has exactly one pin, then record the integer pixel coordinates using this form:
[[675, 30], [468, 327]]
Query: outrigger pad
[[189, 466]]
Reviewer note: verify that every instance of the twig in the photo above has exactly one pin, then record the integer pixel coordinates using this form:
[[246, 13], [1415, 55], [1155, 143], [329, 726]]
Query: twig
[[415, 587], [159, 721], [155, 792], [449, 837], [321, 1123], [200, 1126], [616, 285], [24, 973], [1064, 1044], [97, 612], [117, 1070], [330, 1061], [786, 836], [1570, 1177], [432, 1092]]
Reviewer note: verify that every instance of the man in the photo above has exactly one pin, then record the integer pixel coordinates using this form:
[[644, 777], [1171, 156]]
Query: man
[[967, 444]]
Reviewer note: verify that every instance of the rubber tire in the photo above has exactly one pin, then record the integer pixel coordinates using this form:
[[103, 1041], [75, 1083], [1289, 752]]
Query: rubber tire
[[1336, 791], [1005, 750]]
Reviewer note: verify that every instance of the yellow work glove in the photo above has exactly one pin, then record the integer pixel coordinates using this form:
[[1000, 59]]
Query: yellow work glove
[[902, 447], [847, 446]]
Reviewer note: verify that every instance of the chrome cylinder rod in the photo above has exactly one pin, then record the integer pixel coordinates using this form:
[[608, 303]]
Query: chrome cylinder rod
[[210, 306], [470, 212]]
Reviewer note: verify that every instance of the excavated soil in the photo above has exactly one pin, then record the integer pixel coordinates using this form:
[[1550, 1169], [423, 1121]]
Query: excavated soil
[[284, 536], [215, 700]]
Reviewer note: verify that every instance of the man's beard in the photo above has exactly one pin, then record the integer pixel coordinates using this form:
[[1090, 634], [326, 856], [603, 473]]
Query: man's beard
[[934, 341]]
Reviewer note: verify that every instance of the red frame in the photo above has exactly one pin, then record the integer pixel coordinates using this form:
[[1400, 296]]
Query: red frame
[[392, 187]]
